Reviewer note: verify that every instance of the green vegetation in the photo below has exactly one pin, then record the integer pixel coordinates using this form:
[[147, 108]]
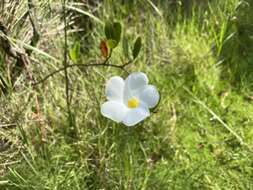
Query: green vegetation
[[200, 57]]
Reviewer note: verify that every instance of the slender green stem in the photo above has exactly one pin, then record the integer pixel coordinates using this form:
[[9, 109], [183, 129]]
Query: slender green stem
[[104, 64], [65, 63]]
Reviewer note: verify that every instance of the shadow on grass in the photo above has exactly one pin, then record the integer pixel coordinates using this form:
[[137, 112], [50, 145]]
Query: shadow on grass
[[237, 52]]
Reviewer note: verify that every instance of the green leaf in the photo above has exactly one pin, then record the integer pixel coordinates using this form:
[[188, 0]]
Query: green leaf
[[74, 52], [125, 46], [111, 43], [116, 32], [137, 47], [108, 29], [113, 31]]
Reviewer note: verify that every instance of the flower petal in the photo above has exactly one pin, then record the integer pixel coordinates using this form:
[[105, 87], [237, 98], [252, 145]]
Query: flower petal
[[134, 82], [150, 96], [113, 110], [135, 116], [114, 88]]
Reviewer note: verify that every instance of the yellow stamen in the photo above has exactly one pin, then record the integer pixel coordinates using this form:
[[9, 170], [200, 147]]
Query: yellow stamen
[[133, 103]]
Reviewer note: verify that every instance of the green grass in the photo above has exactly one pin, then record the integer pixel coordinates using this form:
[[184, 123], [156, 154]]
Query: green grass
[[200, 58]]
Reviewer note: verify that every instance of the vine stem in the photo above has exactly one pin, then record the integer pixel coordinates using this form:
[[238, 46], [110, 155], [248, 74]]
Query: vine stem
[[65, 64], [104, 64]]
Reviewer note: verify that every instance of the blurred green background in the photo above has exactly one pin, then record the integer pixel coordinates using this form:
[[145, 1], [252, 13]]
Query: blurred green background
[[199, 54]]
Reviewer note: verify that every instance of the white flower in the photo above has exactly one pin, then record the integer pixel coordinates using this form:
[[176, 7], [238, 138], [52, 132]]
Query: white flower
[[129, 101]]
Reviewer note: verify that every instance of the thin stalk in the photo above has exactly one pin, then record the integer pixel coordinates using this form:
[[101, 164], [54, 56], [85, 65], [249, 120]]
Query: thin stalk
[[104, 64], [65, 64]]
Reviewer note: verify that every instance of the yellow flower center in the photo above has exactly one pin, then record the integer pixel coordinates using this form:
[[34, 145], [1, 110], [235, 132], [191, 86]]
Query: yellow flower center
[[133, 103]]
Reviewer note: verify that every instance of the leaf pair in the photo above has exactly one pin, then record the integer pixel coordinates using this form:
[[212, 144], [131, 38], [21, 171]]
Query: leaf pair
[[113, 33]]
